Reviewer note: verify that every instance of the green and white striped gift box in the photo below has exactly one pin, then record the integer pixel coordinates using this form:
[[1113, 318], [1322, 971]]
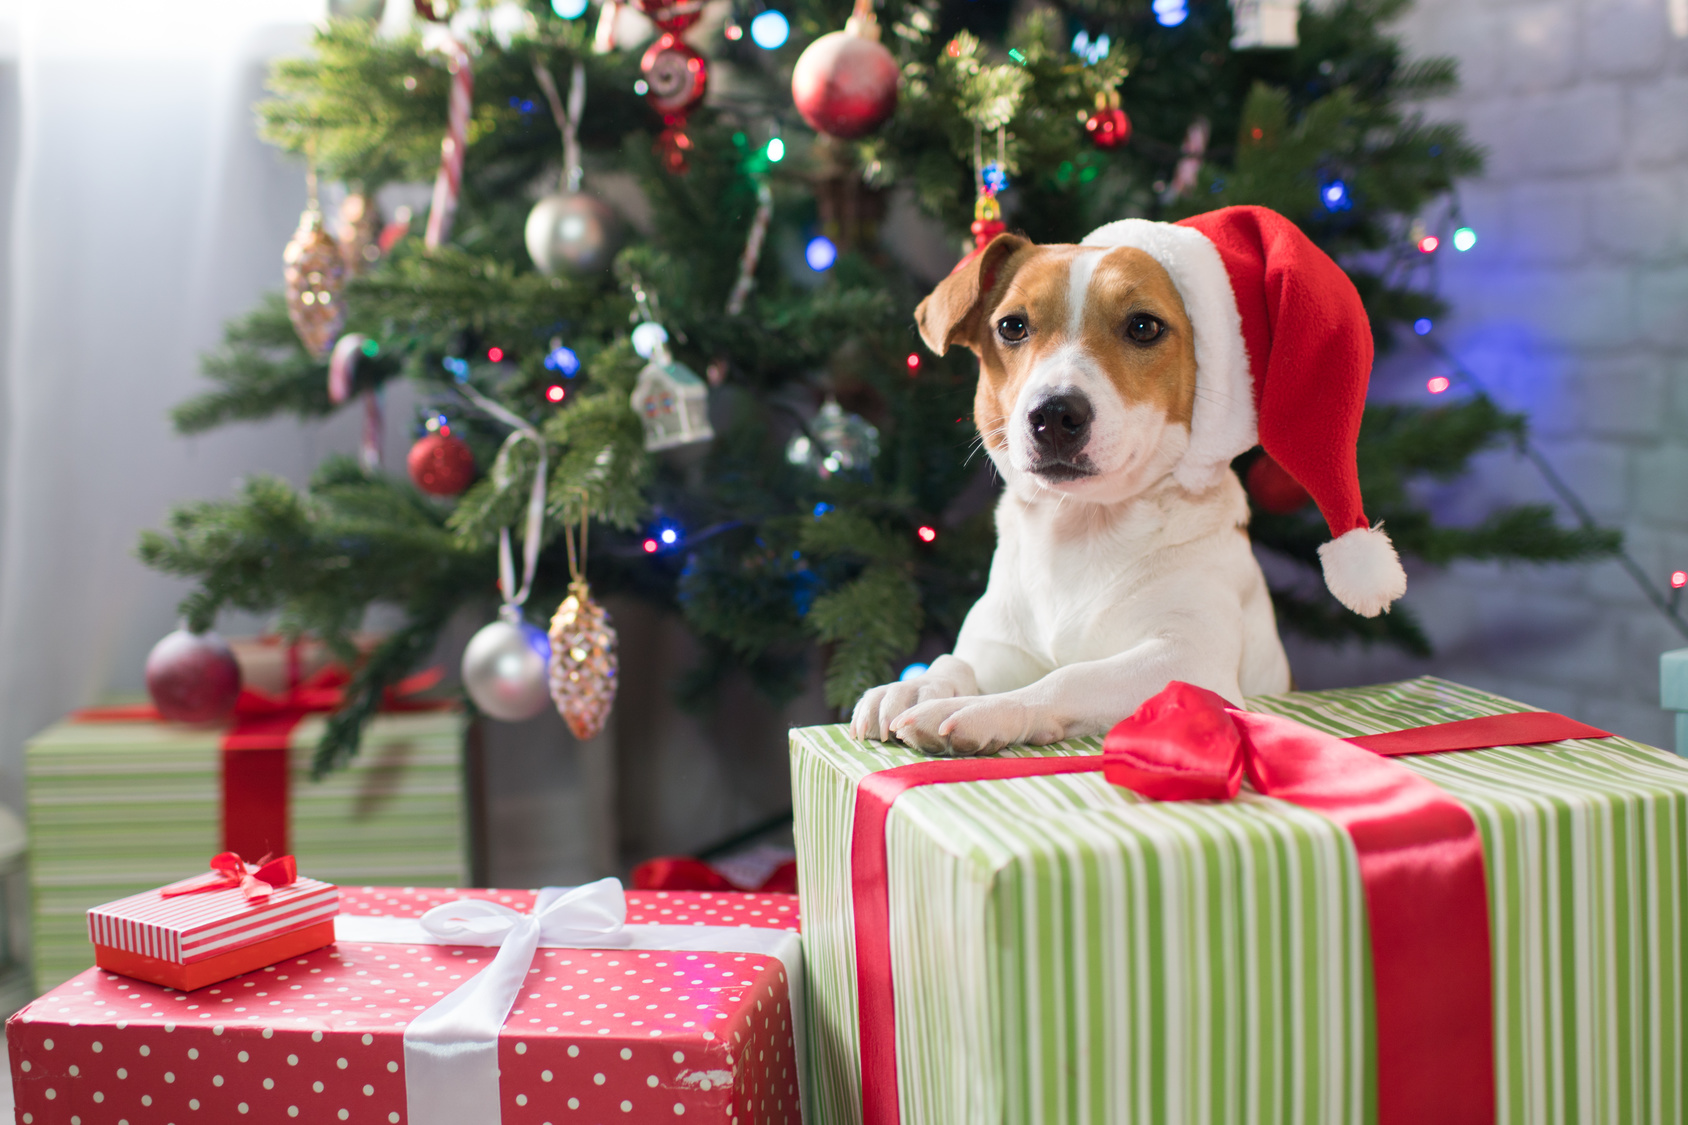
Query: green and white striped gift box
[[116, 808], [1065, 951]]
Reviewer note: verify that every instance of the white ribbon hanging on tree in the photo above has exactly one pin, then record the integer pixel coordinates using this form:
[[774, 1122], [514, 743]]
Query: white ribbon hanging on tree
[[520, 430], [451, 1049]]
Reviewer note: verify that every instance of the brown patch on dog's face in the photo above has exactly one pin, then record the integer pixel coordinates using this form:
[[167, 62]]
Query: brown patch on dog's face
[[1101, 334]]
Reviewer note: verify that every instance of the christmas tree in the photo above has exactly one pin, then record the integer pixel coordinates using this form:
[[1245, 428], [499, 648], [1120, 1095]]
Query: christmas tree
[[839, 505]]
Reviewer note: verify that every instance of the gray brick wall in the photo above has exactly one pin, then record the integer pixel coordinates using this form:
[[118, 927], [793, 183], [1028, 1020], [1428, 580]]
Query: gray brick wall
[[1572, 307]]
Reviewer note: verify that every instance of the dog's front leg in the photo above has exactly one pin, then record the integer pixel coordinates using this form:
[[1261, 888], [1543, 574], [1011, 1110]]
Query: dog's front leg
[[949, 677]]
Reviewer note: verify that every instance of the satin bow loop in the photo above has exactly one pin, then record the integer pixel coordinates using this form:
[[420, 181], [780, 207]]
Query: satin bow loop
[[1182, 745], [591, 915], [256, 880]]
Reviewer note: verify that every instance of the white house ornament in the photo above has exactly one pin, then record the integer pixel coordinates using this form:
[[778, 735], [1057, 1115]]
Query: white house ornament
[[671, 401], [315, 277]]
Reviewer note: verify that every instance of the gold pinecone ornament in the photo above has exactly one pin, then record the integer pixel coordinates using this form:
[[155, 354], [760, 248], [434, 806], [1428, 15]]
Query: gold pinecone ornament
[[315, 279], [583, 663]]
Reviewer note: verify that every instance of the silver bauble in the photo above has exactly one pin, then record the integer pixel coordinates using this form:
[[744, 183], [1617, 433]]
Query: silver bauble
[[506, 670], [572, 232]]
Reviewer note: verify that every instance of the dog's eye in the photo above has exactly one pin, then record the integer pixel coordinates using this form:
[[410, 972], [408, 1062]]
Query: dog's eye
[[1144, 328], [1012, 328]]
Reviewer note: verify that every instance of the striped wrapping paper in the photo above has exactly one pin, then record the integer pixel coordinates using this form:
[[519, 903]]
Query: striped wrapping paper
[[118, 808], [188, 928], [1064, 950]]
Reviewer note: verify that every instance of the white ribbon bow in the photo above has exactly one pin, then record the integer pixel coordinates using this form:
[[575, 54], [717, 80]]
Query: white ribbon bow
[[451, 1050]]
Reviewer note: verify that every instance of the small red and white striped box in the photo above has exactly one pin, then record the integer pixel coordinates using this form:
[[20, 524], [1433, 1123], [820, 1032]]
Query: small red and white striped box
[[188, 941]]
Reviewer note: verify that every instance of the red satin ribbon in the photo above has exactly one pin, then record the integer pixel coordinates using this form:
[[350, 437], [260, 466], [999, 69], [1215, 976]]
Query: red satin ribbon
[[256, 773], [255, 880], [1421, 867]]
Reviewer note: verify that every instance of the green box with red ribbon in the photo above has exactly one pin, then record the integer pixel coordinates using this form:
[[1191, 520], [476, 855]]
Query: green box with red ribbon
[[120, 802], [1401, 903]]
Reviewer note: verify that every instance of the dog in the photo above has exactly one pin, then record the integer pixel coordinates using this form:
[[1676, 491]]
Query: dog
[[1114, 572]]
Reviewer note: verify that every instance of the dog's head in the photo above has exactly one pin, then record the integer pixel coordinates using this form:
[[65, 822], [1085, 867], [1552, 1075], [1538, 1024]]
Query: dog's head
[[1087, 364]]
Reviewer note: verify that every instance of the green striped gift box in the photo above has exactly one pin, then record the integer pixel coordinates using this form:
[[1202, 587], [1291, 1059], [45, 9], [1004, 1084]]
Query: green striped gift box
[[1065, 951], [115, 808]]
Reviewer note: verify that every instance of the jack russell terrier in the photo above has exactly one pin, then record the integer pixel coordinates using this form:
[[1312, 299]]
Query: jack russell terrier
[[1117, 380]]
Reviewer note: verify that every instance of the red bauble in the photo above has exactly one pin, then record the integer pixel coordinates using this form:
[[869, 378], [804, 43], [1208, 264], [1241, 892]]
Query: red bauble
[[1108, 128], [1272, 488], [676, 75], [845, 84], [671, 15], [192, 678], [441, 465]]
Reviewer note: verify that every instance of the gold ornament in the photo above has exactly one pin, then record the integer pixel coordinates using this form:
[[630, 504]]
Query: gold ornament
[[315, 277], [583, 663]]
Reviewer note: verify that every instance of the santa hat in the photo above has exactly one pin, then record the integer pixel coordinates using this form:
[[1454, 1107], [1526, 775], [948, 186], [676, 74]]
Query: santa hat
[[1283, 356]]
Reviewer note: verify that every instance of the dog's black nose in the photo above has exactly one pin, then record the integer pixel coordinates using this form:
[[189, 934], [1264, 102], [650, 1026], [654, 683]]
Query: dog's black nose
[[1060, 424]]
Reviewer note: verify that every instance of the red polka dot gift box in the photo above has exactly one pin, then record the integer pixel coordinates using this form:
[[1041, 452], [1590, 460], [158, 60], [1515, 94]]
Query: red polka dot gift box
[[476, 1007]]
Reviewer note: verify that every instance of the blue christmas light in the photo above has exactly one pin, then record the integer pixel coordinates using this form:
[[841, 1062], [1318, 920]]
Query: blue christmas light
[[563, 361], [1334, 195], [664, 535], [820, 253], [1464, 238], [995, 177], [1422, 326], [1092, 51], [569, 9], [459, 368], [822, 509], [1170, 13], [770, 30], [914, 670]]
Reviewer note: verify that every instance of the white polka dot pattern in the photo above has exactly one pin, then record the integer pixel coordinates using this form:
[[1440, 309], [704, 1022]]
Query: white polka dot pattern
[[702, 1035]]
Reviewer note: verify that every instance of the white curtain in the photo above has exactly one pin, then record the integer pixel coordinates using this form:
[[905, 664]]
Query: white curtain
[[137, 212]]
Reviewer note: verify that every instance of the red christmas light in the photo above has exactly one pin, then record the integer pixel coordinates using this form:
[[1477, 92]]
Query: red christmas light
[[913, 364], [495, 354], [555, 393], [927, 534], [1437, 384], [1679, 579], [651, 546], [1428, 244]]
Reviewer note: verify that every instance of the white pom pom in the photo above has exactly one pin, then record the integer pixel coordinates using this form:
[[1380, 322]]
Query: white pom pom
[[1363, 571]]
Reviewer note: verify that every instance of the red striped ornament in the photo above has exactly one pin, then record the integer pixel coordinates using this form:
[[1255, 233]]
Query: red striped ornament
[[448, 184]]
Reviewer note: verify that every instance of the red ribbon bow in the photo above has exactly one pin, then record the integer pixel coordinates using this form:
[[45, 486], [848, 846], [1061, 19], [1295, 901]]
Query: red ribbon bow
[[256, 880]]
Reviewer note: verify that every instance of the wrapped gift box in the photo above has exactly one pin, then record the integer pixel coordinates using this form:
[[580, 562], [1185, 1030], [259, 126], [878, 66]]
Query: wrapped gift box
[[119, 803], [1064, 950], [596, 1035]]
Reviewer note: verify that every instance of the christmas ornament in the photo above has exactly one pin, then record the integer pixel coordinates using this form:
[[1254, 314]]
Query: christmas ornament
[[504, 669], [448, 182], [835, 444], [504, 666], [987, 212], [675, 79], [359, 233], [570, 231], [343, 365], [671, 15], [1272, 488], [1264, 23], [752, 252], [192, 677], [315, 275], [441, 464], [583, 660], [845, 82], [1188, 171], [671, 401], [1108, 127]]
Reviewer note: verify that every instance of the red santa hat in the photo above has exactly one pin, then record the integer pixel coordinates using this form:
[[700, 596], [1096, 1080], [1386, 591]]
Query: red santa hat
[[1283, 356]]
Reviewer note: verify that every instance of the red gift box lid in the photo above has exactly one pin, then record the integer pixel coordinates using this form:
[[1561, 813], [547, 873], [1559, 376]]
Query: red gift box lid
[[186, 928]]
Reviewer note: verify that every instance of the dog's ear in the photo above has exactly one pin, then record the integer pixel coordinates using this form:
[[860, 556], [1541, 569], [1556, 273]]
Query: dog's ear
[[950, 313]]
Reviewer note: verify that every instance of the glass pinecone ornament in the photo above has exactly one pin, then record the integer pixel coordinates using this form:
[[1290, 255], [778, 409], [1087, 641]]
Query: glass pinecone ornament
[[315, 277], [583, 663], [837, 444]]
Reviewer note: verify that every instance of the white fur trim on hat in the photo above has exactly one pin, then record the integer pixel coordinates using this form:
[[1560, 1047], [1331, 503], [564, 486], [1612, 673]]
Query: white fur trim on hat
[[1223, 422], [1363, 571]]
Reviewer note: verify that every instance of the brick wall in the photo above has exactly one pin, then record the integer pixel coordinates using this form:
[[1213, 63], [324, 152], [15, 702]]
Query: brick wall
[[1572, 307]]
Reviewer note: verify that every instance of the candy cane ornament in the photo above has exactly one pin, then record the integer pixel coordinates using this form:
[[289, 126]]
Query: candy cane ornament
[[448, 184]]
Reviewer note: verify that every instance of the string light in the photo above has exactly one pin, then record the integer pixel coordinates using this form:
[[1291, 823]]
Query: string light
[[1422, 326], [1464, 239], [569, 9], [563, 361], [1438, 384], [913, 364], [913, 670], [776, 151], [554, 393], [820, 253], [496, 355], [1170, 13], [1678, 579], [1334, 195], [822, 509], [665, 534], [770, 30], [651, 546], [370, 348], [1091, 50], [735, 32], [1428, 244], [927, 534]]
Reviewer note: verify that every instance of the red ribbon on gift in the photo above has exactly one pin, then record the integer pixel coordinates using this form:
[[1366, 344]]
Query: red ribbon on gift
[[256, 774], [1420, 860], [256, 880]]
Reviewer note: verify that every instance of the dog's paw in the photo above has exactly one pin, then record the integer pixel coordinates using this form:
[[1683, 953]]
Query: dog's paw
[[964, 727], [879, 706]]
